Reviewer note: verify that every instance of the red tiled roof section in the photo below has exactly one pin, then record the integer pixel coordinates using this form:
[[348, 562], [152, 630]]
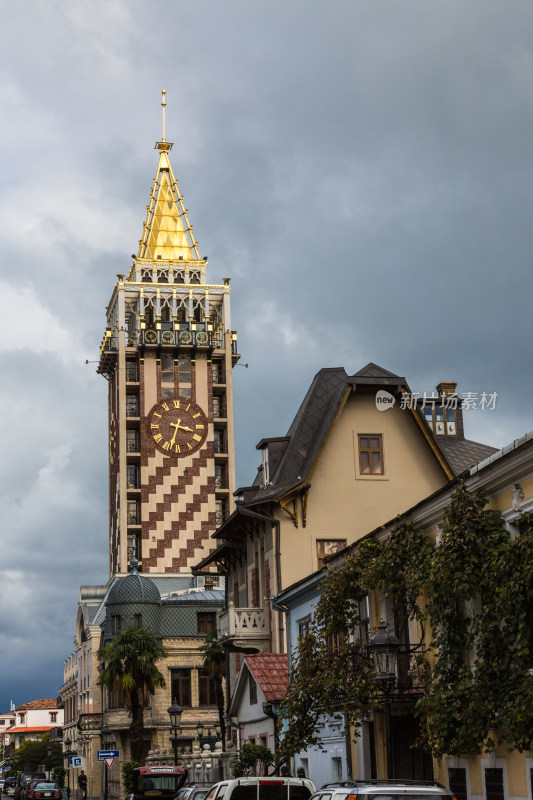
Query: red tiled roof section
[[32, 729], [271, 673], [38, 704]]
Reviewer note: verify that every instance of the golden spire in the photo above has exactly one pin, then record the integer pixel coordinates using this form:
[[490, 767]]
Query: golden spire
[[167, 233]]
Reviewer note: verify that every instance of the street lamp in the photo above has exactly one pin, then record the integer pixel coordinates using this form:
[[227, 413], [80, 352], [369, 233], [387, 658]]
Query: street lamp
[[383, 648], [67, 753], [174, 712], [105, 733], [210, 737], [49, 751]]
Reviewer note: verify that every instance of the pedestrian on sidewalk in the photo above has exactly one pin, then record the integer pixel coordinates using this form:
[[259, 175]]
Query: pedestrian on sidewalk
[[82, 783]]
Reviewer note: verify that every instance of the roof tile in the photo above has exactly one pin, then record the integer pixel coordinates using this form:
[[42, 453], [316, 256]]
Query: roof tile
[[271, 673], [48, 703]]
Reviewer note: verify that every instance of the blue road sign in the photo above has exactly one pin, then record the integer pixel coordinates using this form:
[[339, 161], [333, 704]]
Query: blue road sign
[[75, 761], [103, 754]]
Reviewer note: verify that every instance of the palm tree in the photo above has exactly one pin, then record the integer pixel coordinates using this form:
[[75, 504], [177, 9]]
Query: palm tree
[[130, 667], [215, 663]]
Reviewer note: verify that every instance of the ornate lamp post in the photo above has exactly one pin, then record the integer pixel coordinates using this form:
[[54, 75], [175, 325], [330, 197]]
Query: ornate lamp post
[[174, 712], [383, 648], [49, 751], [205, 734], [105, 733], [66, 754]]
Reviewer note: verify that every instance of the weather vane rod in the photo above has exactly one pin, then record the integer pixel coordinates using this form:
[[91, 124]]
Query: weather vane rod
[[163, 105]]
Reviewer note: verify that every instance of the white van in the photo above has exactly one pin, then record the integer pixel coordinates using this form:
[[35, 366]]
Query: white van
[[271, 788]]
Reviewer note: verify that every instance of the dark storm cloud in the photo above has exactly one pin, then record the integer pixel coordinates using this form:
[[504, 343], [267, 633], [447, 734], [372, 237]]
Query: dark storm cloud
[[363, 172]]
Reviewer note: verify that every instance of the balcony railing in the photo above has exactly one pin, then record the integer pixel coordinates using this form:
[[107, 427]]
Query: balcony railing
[[132, 406], [134, 516], [244, 628], [189, 335], [89, 722], [132, 374], [132, 444], [219, 409], [220, 481]]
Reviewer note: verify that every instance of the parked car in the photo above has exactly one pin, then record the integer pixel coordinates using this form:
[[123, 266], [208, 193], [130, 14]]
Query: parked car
[[384, 789], [42, 789], [159, 780], [26, 791], [272, 788], [22, 780], [194, 791]]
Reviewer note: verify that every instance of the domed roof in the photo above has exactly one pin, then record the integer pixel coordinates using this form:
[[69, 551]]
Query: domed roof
[[133, 588]]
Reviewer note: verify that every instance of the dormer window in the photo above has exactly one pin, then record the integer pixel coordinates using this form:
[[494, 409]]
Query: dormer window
[[442, 421]]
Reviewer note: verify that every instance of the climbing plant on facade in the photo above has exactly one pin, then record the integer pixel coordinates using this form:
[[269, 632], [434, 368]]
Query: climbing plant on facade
[[471, 596]]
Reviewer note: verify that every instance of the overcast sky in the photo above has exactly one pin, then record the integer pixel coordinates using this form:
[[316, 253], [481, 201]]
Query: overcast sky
[[362, 169]]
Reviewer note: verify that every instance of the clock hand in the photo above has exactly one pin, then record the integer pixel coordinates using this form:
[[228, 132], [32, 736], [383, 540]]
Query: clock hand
[[184, 428], [174, 425]]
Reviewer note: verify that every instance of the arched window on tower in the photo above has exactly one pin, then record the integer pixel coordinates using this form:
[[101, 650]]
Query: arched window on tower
[[182, 311], [198, 311]]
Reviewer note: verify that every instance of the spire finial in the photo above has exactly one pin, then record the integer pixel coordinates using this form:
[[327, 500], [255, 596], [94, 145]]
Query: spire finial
[[163, 145], [163, 106]]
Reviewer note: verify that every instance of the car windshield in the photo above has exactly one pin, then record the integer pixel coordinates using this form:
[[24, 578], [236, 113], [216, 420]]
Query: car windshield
[[159, 783], [44, 786], [270, 790]]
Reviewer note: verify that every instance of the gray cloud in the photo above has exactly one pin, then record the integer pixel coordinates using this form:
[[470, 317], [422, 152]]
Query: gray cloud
[[362, 171]]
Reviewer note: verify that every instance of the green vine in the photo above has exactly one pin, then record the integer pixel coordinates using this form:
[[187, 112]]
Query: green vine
[[473, 592]]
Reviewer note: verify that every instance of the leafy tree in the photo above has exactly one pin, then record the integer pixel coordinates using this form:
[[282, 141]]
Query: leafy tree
[[215, 663], [32, 754], [479, 591], [253, 759], [330, 671], [58, 776], [127, 775], [130, 667]]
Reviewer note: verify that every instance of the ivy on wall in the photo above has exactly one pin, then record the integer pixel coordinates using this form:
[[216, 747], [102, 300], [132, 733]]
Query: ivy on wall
[[472, 597]]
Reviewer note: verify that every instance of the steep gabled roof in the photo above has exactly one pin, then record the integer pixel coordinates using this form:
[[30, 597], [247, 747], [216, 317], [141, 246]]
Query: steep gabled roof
[[271, 672], [462, 454], [306, 432], [374, 371]]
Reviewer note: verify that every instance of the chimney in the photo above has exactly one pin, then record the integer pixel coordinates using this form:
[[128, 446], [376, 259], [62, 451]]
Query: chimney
[[446, 388], [453, 424]]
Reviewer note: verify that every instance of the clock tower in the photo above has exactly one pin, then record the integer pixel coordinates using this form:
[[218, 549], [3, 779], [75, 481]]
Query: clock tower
[[168, 353]]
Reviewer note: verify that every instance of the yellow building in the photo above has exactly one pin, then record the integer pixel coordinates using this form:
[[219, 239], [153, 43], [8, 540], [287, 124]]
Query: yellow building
[[506, 479], [358, 452]]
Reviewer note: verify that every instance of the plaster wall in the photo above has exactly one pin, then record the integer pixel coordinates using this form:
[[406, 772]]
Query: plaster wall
[[342, 503]]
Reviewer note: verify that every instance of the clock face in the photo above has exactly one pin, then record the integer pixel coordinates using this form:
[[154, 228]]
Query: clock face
[[177, 426]]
